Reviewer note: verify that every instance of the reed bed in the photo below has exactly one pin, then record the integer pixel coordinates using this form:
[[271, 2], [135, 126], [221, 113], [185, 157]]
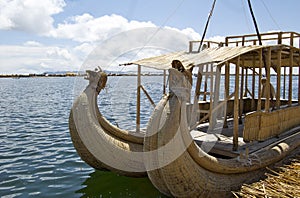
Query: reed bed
[[282, 183]]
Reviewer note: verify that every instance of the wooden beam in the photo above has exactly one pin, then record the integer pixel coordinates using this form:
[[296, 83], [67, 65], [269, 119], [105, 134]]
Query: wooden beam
[[138, 100], [198, 84], [253, 85], [246, 83], [241, 101], [299, 82], [259, 80], [291, 78], [164, 81], [284, 83], [278, 78], [205, 83], [268, 88], [236, 107], [211, 97], [299, 74], [226, 92]]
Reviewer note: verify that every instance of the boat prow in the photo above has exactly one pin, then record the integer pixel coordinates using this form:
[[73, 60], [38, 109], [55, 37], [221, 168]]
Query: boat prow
[[99, 143], [186, 170]]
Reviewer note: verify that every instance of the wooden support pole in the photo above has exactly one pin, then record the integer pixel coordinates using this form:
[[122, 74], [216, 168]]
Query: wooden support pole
[[241, 108], [278, 78], [226, 94], [138, 100], [268, 88], [236, 107], [253, 85], [211, 97], [246, 83], [299, 73], [165, 81], [205, 83], [291, 78], [299, 83], [198, 84], [259, 80], [284, 83], [148, 96]]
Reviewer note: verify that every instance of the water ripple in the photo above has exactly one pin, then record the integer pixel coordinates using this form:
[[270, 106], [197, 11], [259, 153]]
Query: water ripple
[[37, 157]]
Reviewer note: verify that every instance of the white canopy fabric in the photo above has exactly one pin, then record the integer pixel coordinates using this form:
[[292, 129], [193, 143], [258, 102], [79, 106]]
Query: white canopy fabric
[[217, 55]]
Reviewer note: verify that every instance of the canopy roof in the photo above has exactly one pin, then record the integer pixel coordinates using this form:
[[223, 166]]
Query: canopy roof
[[219, 55]]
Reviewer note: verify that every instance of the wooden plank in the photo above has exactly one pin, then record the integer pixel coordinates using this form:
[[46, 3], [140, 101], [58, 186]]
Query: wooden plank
[[236, 106]]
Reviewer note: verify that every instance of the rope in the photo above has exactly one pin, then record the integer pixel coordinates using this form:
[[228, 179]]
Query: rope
[[206, 26], [258, 35]]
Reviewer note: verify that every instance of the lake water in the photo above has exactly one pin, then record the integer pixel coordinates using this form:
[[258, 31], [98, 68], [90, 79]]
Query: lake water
[[37, 157]]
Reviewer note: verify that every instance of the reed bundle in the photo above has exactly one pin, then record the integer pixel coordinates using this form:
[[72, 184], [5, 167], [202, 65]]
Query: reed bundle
[[282, 183]]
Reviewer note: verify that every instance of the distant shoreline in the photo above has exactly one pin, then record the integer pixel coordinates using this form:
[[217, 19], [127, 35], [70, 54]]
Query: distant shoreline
[[84, 75], [65, 75]]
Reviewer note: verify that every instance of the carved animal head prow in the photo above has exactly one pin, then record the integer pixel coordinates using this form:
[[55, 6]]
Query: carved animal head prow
[[97, 79]]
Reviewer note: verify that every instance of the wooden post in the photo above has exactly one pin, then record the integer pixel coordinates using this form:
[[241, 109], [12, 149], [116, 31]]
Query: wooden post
[[138, 100], [299, 75], [259, 80], [284, 82], [299, 81], [267, 100], [236, 107], [246, 83], [253, 85], [198, 84], [279, 38], [292, 39], [226, 95], [211, 99], [241, 108], [278, 78], [291, 78], [191, 47], [165, 85], [205, 83]]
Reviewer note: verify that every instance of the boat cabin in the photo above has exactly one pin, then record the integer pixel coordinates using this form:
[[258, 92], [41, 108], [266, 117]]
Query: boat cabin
[[231, 83]]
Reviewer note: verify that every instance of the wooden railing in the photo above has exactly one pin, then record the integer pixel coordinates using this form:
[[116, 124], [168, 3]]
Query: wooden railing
[[271, 38]]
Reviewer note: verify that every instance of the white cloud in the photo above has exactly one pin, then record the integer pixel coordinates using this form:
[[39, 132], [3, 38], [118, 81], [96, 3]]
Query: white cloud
[[16, 59], [29, 15], [32, 43], [86, 28]]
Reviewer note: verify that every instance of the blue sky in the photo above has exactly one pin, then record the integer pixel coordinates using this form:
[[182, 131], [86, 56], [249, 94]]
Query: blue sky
[[57, 35]]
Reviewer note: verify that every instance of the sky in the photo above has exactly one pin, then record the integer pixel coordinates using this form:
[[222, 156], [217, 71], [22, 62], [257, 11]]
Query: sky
[[63, 35]]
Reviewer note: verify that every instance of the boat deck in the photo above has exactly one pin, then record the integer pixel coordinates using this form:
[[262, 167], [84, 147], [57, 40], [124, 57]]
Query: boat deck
[[220, 140]]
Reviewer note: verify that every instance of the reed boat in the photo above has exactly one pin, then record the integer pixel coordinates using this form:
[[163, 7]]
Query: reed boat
[[98, 142], [227, 135], [206, 138]]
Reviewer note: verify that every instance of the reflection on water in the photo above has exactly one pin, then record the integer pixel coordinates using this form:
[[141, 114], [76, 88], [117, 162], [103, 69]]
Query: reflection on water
[[108, 184]]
